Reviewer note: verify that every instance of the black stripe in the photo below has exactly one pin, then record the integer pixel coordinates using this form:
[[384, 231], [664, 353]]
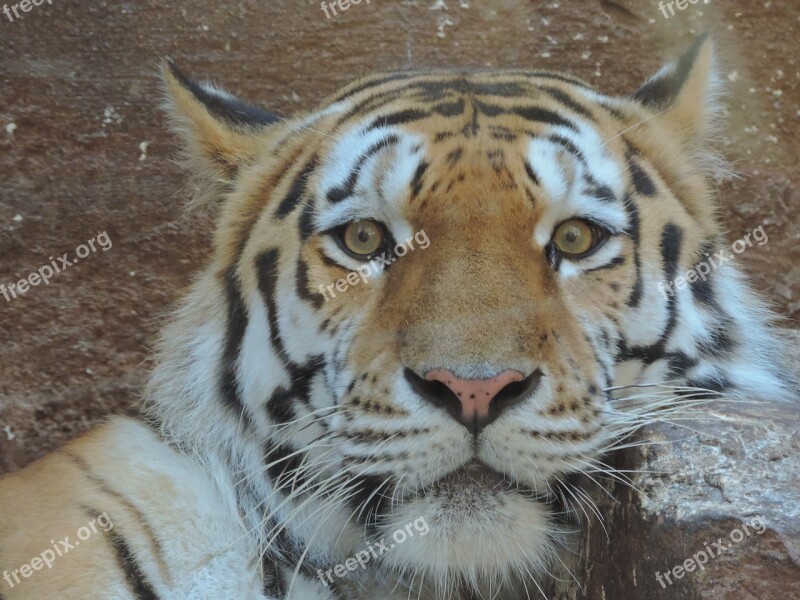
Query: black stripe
[[328, 261], [615, 262], [274, 182], [634, 231], [234, 334], [303, 375], [680, 363], [703, 290], [454, 156], [345, 190], [347, 93], [471, 128], [614, 112], [452, 109], [274, 586], [134, 575], [443, 135], [529, 113], [719, 340], [596, 190], [502, 133], [301, 285], [369, 499], [642, 183], [298, 189], [557, 77], [544, 116], [564, 99], [671, 243], [600, 192], [367, 106], [720, 384], [399, 118], [504, 89], [531, 174], [280, 404], [267, 268], [305, 224], [432, 90], [416, 181], [138, 516], [284, 464], [569, 146]]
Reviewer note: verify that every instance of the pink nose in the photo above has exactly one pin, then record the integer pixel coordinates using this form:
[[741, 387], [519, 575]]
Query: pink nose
[[475, 394]]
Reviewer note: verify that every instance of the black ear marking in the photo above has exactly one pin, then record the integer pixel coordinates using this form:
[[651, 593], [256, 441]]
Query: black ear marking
[[661, 89], [224, 106]]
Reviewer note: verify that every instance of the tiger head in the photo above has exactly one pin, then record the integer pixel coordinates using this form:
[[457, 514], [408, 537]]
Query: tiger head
[[431, 298]]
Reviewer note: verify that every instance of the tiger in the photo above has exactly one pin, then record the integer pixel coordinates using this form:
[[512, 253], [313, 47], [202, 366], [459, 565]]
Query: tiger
[[429, 303]]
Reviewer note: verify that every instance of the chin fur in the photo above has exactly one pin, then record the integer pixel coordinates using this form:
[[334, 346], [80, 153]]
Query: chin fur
[[484, 539]]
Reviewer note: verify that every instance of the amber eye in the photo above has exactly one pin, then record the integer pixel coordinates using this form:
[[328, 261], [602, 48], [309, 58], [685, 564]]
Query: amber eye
[[363, 238], [576, 237]]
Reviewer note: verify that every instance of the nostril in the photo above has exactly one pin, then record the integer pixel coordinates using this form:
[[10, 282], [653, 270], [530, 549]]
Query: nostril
[[435, 392], [514, 392], [473, 402]]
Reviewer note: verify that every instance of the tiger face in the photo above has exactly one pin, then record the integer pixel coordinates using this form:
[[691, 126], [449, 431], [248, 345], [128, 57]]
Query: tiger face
[[426, 297]]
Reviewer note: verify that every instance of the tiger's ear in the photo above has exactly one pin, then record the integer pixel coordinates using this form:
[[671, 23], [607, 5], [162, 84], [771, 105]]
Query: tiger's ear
[[686, 92], [219, 131]]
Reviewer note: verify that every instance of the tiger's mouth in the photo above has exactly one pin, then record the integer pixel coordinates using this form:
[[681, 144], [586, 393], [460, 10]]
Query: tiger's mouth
[[478, 478], [474, 473]]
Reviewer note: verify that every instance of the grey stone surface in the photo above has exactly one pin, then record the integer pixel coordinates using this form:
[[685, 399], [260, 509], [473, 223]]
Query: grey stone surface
[[731, 474]]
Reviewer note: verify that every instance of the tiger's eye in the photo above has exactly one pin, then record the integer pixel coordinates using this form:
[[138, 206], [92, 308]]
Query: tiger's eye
[[363, 238], [574, 237]]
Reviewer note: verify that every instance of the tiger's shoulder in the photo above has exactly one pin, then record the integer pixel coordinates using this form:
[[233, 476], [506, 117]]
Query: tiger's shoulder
[[118, 513]]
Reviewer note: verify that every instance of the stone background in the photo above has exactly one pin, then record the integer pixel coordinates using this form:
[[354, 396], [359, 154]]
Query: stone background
[[83, 149]]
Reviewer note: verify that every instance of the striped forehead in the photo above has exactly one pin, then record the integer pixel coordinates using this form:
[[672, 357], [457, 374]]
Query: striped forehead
[[368, 171], [564, 152], [577, 177]]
